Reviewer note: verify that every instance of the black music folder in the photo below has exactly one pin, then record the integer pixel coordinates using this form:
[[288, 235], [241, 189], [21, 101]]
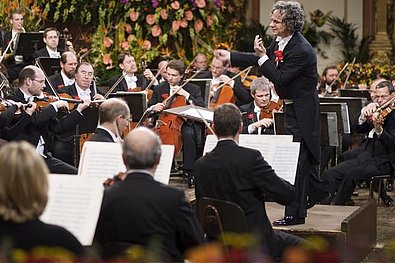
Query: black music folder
[[28, 43], [137, 102], [50, 66]]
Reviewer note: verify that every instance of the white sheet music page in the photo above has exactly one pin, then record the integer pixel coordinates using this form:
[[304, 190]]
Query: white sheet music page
[[101, 159], [74, 203], [162, 173], [208, 115], [278, 150]]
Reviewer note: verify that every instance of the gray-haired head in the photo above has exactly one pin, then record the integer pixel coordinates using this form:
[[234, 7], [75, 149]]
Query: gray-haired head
[[293, 14]]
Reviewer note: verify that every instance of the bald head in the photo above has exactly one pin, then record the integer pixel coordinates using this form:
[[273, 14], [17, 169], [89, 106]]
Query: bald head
[[141, 149]]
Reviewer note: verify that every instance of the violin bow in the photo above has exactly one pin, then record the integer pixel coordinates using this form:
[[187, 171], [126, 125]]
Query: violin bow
[[349, 73], [202, 43], [235, 76], [153, 80], [8, 47], [201, 117], [246, 74], [114, 85]]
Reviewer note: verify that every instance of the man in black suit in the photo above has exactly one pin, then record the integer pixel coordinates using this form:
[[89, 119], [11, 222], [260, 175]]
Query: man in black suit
[[191, 132], [258, 114], [291, 65], [241, 175], [114, 117], [82, 89], [374, 157], [155, 212], [131, 80], [51, 40], [219, 74], [66, 77], [45, 122]]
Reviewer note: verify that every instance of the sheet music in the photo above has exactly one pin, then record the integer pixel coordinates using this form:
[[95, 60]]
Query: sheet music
[[278, 150], [104, 160], [207, 114], [74, 203]]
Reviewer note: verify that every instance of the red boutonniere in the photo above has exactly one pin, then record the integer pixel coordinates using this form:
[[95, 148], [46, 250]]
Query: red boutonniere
[[279, 55], [60, 86], [76, 97], [165, 95], [250, 116]]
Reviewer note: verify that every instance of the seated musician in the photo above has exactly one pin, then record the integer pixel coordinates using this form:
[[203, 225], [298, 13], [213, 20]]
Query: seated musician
[[329, 83], [66, 77], [51, 40], [374, 157], [43, 123], [162, 73], [200, 62], [219, 74], [258, 114], [131, 80], [63, 147], [114, 117], [191, 132]]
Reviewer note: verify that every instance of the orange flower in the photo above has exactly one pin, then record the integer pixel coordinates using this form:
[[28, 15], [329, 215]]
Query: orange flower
[[209, 20], [156, 31], [108, 42], [150, 19], [200, 3], [128, 28], [175, 5], [146, 45], [125, 45], [107, 59], [163, 14], [198, 25], [184, 23], [189, 15], [175, 25], [134, 15]]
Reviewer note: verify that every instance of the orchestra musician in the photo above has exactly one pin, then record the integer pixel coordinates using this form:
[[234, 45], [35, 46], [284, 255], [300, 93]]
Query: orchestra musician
[[51, 40], [84, 90], [66, 77], [114, 117], [329, 83], [200, 62], [258, 114], [191, 132], [44, 122], [290, 63], [374, 157], [131, 80], [219, 74], [162, 73]]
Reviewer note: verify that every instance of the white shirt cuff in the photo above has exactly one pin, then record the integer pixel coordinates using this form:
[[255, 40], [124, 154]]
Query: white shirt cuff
[[251, 128], [262, 60]]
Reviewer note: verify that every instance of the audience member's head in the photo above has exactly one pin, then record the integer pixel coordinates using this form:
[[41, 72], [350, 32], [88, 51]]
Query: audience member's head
[[142, 149], [23, 182], [227, 120]]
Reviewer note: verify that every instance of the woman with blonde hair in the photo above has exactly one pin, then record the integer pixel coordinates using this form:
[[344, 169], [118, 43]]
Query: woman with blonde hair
[[23, 197]]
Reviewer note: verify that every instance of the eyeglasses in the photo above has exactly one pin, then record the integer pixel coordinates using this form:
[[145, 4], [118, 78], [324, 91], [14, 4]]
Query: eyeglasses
[[42, 81], [128, 119], [84, 73]]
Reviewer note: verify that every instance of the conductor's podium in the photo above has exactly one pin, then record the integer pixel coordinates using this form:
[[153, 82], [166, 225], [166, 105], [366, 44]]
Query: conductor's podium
[[350, 230]]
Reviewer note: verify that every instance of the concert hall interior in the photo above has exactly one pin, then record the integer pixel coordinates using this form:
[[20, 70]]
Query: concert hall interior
[[197, 131]]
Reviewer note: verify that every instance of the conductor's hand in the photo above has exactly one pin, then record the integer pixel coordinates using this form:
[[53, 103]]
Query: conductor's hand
[[222, 54], [258, 46]]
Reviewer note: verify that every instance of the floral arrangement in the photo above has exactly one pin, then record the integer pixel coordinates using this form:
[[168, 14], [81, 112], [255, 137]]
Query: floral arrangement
[[366, 73]]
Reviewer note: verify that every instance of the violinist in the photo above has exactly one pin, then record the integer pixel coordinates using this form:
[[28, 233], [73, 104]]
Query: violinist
[[51, 40], [200, 62], [84, 90], [66, 77], [376, 155], [114, 117], [131, 80], [45, 122], [162, 76], [258, 114], [191, 132], [219, 74], [329, 83]]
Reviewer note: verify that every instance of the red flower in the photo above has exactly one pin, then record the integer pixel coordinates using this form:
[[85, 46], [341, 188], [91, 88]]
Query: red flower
[[279, 55], [250, 116], [165, 95], [60, 86], [76, 97]]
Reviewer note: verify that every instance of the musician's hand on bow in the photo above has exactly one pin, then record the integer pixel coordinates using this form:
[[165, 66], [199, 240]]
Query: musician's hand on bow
[[264, 123], [179, 91], [222, 54], [259, 47], [84, 105], [148, 74], [61, 104], [98, 97], [368, 110], [158, 107], [32, 107]]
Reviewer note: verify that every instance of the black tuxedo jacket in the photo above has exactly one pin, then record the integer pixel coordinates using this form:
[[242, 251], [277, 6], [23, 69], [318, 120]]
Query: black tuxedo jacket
[[56, 81], [45, 122], [139, 209], [241, 175], [43, 53], [295, 77], [7, 39], [242, 94], [122, 86], [162, 91], [11, 125], [72, 91], [102, 136], [249, 117]]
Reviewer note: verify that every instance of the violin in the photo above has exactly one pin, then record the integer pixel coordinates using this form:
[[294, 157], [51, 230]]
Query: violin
[[269, 109], [47, 99], [121, 176]]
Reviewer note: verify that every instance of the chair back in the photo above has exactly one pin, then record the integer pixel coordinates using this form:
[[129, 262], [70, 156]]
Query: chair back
[[218, 217]]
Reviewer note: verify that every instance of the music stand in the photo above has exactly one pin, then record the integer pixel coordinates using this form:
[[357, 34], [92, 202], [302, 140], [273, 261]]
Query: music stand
[[341, 110], [204, 85], [49, 65], [190, 113], [137, 102], [28, 43], [363, 93]]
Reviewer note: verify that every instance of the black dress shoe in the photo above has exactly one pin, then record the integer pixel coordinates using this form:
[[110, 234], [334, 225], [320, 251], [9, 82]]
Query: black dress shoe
[[324, 199], [387, 200], [288, 221], [389, 185]]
